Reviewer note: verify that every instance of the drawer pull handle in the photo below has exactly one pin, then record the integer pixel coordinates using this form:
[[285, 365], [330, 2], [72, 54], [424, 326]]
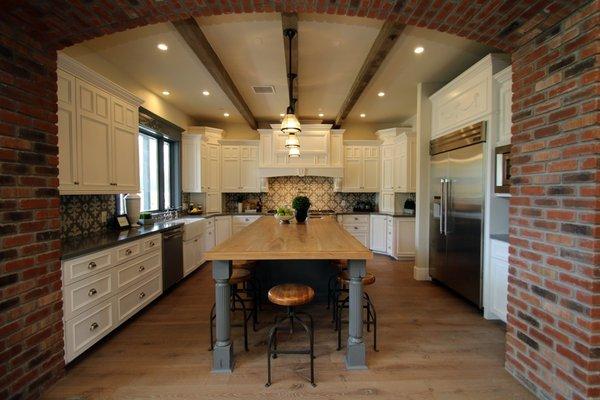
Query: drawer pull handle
[[92, 265], [128, 252], [356, 227], [151, 244], [94, 326], [142, 295], [141, 268], [92, 292]]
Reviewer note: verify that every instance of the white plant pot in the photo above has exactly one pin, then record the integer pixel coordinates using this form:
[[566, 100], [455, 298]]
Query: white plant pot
[[132, 205]]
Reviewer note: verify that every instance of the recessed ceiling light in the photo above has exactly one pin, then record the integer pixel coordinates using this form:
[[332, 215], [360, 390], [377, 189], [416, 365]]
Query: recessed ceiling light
[[321, 115], [166, 92], [205, 92], [226, 115], [363, 115], [419, 49], [381, 94], [162, 47]]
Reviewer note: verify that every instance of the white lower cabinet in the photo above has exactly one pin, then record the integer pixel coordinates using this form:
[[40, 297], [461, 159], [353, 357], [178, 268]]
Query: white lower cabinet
[[193, 254], [103, 289], [499, 278], [239, 222], [404, 232], [222, 229], [358, 226], [379, 233]]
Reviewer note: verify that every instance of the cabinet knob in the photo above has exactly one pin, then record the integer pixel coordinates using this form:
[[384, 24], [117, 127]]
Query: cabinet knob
[[128, 252], [92, 292], [142, 295], [141, 268], [92, 265], [151, 244], [76, 183], [94, 326]]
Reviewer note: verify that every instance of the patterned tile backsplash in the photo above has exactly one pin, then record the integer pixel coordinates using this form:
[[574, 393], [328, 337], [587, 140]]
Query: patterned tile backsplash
[[80, 215], [319, 190]]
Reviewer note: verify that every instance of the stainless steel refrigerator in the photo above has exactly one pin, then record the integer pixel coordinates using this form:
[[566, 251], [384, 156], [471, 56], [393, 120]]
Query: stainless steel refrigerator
[[456, 211]]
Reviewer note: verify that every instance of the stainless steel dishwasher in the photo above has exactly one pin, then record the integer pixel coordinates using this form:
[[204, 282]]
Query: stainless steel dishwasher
[[172, 261]]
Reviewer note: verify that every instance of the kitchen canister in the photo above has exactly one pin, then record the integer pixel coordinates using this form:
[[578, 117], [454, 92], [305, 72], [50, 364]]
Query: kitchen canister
[[132, 205]]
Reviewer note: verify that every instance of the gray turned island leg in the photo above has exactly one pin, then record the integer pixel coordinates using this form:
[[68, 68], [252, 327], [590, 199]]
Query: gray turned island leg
[[355, 356], [223, 348]]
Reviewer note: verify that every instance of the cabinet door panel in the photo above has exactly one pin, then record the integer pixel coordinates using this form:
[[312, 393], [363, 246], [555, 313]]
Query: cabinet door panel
[[190, 168], [230, 175], [379, 233], [67, 132], [126, 154], [387, 175], [371, 175], [213, 202]]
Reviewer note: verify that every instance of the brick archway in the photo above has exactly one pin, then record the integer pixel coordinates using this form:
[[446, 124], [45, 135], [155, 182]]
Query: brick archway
[[552, 341]]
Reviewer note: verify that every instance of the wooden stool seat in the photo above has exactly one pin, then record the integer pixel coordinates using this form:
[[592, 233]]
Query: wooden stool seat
[[368, 279], [291, 294], [243, 264], [239, 276], [340, 264]]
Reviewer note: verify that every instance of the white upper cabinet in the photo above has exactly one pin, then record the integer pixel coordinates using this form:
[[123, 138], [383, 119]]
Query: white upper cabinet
[[361, 168], [97, 133], [398, 160], [466, 99], [200, 160], [239, 167], [503, 81]]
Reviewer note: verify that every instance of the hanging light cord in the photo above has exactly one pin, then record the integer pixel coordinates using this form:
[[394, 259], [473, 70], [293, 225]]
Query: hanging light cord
[[290, 33]]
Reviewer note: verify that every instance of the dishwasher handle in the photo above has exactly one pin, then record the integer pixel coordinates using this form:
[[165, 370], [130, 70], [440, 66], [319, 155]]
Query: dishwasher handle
[[172, 234]]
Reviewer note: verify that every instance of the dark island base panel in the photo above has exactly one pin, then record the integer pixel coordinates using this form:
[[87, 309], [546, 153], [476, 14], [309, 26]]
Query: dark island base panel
[[314, 273]]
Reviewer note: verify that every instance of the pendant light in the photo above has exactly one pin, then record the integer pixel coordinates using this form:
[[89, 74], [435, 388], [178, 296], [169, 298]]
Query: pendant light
[[290, 124]]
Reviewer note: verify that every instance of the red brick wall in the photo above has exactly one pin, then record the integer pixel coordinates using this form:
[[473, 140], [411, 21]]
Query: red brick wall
[[554, 212], [554, 301], [31, 355]]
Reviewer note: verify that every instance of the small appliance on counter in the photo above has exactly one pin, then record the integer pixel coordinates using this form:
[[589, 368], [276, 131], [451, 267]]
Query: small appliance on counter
[[363, 206]]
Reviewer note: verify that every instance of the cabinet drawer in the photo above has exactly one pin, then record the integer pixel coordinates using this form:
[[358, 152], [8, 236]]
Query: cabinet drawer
[[86, 293], [356, 228], [135, 298], [89, 327], [499, 250], [82, 267], [244, 220], [355, 219], [128, 251], [137, 269], [154, 242]]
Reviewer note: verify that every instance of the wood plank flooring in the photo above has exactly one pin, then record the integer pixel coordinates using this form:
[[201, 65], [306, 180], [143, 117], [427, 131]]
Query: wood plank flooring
[[432, 346]]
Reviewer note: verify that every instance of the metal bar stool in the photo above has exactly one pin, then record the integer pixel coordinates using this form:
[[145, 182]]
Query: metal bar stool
[[255, 290], [333, 283], [368, 306], [291, 295], [237, 276]]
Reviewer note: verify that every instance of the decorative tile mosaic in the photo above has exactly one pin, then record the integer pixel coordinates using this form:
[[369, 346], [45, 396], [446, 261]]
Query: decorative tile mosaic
[[80, 215], [319, 190]]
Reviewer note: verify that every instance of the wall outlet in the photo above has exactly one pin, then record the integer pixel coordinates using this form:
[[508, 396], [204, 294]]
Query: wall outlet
[[103, 216]]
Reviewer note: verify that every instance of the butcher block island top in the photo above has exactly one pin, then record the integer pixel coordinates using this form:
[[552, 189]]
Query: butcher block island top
[[267, 239]]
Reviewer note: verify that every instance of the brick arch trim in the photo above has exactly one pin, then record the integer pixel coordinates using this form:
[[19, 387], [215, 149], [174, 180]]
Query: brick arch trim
[[503, 24]]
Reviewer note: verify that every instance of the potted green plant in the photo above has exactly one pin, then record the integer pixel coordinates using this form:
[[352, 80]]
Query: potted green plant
[[146, 219], [301, 204], [409, 206]]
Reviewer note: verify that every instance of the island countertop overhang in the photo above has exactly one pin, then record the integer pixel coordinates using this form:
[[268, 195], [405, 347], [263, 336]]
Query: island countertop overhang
[[267, 239]]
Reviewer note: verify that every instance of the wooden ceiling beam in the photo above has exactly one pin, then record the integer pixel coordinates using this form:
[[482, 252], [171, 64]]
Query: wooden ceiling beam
[[194, 37], [290, 21], [389, 33]]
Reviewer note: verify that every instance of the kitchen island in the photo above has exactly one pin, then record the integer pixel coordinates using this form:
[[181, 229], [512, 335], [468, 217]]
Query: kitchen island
[[266, 239]]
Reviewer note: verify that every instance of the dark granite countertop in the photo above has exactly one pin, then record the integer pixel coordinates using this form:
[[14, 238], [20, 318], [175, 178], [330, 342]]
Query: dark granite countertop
[[503, 237], [81, 245], [395, 215]]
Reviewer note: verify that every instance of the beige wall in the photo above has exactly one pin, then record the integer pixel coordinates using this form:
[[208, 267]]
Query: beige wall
[[152, 102]]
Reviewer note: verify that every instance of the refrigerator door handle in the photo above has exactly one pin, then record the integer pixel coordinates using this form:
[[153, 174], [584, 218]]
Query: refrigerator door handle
[[442, 208], [446, 200]]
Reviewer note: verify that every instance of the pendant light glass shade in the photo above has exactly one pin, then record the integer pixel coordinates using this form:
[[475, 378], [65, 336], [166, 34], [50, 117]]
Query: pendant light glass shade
[[292, 141], [290, 124], [294, 152]]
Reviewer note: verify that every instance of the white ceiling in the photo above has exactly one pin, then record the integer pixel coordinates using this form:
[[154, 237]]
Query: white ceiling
[[251, 47]]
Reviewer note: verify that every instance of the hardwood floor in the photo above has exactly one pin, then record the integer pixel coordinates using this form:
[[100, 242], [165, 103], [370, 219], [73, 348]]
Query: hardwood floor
[[432, 346]]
